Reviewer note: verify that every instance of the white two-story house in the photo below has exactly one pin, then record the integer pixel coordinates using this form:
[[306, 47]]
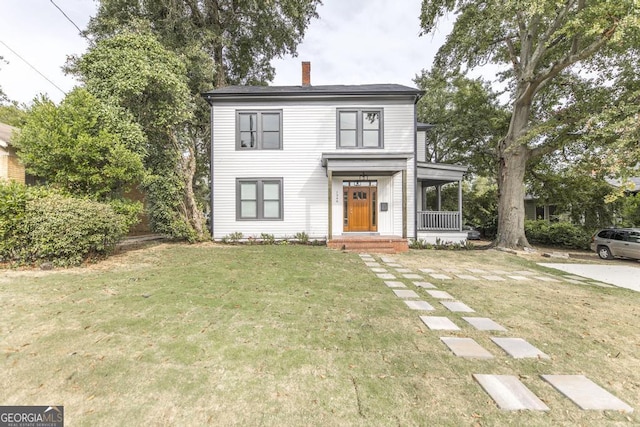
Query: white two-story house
[[340, 163]]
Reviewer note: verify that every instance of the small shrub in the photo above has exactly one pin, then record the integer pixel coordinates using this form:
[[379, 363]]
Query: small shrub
[[302, 238], [267, 239], [233, 238]]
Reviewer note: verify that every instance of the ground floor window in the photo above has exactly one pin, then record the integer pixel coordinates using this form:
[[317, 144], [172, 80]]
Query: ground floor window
[[259, 199]]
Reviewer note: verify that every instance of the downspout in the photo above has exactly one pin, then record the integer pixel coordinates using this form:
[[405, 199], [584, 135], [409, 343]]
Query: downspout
[[211, 181], [415, 167]]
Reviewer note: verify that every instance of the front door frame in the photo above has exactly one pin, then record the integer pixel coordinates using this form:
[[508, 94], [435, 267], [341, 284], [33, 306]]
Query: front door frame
[[360, 206]]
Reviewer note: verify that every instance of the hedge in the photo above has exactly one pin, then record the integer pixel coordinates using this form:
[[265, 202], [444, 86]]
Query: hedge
[[560, 234], [39, 225]]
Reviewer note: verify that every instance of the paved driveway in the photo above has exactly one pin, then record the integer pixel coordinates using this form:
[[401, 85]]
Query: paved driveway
[[624, 276]]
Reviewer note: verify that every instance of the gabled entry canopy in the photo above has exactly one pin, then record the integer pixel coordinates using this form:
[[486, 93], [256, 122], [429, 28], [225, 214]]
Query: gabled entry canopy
[[379, 163]]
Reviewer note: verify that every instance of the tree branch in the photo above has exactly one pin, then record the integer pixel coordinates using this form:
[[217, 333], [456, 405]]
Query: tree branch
[[542, 47]]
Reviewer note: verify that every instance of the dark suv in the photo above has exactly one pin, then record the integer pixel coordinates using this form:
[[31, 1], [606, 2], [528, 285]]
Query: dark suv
[[617, 242]]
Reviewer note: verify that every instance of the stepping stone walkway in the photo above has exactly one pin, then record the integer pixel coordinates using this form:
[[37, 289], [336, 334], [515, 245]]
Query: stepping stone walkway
[[518, 348], [438, 323], [585, 393], [484, 324], [506, 390], [425, 285], [509, 393], [457, 306], [466, 347], [419, 305], [402, 293], [440, 294], [393, 284]]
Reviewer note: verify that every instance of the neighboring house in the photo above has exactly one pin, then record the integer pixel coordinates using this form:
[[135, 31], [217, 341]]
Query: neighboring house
[[11, 168], [344, 163], [534, 209]]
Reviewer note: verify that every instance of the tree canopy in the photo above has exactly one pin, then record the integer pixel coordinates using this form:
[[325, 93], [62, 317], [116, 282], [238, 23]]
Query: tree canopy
[[82, 146], [569, 68]]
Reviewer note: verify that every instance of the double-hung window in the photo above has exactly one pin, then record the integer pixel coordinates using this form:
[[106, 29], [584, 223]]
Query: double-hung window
[[360, 128], [259, 199], [259, 130]]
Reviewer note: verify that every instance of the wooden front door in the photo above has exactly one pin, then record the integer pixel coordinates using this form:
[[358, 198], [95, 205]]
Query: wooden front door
[[360, 208]]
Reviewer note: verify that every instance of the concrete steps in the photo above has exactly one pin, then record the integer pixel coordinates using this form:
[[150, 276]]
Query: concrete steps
[[374, 244]]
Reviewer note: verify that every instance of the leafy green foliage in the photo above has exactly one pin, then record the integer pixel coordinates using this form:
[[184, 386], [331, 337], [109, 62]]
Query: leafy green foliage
[[136, 73], [13, 114], [571, 69], [82, 146], [560, 234], [468, 120], [40, 225], [66, 231]]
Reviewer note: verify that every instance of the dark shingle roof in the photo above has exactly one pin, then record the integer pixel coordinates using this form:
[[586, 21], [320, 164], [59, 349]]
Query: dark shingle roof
[[302, 91]]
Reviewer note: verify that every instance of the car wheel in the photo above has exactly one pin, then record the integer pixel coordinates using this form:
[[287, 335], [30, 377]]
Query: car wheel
[[604, 252]]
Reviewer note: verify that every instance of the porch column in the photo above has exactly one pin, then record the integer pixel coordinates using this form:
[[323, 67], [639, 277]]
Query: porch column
[[329, 206], [460, 204], [404, 203], [438, 197]]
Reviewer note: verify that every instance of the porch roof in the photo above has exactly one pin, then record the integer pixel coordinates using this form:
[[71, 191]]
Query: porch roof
[[381, 163], [440, 173]]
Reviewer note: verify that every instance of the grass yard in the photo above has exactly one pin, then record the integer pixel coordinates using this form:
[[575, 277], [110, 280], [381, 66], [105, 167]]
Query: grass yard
[[291, 335]]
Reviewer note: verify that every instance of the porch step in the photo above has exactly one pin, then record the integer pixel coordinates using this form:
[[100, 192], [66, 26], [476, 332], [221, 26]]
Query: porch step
[[375, 244]]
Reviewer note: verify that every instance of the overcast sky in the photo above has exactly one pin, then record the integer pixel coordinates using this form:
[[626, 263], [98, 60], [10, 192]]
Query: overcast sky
[[353, 42]]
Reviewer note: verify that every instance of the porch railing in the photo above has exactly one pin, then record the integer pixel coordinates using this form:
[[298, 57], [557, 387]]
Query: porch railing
[[438, 220]]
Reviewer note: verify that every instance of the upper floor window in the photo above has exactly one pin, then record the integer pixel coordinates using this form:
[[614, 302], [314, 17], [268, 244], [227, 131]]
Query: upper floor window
[[259, 130], [360, 128]]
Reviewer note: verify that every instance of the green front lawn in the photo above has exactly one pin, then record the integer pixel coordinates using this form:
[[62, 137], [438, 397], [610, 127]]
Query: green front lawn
[[294, 335]]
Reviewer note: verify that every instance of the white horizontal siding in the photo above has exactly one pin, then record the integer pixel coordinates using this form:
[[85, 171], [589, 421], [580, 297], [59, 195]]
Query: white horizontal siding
[[309, 130]]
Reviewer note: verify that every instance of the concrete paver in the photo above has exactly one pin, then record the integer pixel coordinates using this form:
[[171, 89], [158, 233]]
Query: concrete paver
[[425, 285], [439, 323], [519, 278], [509, 393], [466, 277], [394, 284], [412, 276], [500, 272], [419, 305], [494, 278], [386, 276], [477, 270], [585, 393], [427, 270], [403, 270], [440, 294], [372, 264], [387, 259], [405, 293], [378, 270], [457, 306], [394, 265], [466, 347], [440, 276], [484, 324], [519, 348]]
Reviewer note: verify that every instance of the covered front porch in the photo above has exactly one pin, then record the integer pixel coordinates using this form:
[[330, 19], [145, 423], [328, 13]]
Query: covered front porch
[[433, 224]]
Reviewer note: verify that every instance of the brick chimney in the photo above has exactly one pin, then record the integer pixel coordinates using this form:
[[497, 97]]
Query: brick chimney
[[306, 73]]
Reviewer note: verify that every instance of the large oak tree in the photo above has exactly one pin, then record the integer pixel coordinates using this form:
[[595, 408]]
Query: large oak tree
[[569, 66]]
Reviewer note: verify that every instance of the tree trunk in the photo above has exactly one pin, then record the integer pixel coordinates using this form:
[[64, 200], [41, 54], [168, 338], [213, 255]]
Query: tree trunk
[[514, 155], [194, 214]]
